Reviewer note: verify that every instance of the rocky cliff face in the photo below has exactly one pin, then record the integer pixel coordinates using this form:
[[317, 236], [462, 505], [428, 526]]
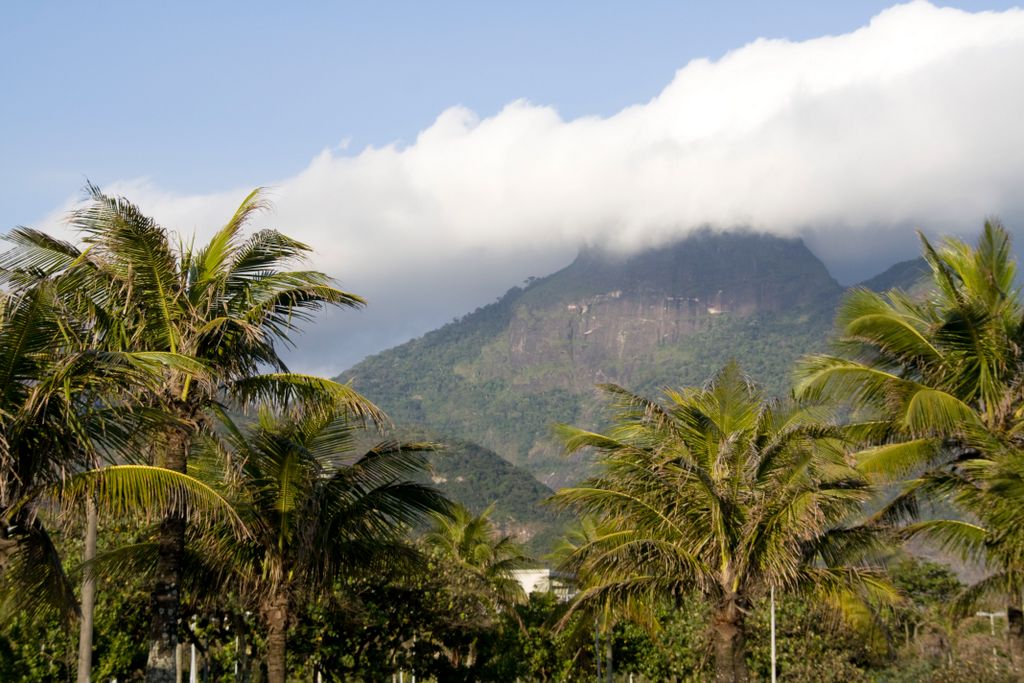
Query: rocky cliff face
[[602, 318]]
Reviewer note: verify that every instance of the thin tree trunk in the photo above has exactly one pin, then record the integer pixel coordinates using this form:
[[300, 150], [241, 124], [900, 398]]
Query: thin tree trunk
[[276, 615], [165, 600], [88, 594], [730, 642]]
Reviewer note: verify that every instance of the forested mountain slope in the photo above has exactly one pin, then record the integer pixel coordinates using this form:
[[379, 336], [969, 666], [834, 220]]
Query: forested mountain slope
[[905, 275], [503, 374], [478, 478]]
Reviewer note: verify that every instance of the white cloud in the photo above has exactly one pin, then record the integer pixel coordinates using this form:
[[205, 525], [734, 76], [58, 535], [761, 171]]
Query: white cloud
[[850, 140]]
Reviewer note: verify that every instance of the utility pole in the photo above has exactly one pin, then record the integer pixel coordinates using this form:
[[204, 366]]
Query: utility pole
[[773, 634]]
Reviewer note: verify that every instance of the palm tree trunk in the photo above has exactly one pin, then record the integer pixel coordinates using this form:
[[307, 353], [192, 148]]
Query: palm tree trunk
[[165, 599], [276, 615], [88, 595], [730, 642], [164, 602]]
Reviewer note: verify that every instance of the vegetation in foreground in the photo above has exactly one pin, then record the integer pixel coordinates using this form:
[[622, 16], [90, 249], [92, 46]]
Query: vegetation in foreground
[[143, 517], [720, 495]]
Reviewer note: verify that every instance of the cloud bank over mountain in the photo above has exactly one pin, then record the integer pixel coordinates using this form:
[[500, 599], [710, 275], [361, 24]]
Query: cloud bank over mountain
[[850, 141]]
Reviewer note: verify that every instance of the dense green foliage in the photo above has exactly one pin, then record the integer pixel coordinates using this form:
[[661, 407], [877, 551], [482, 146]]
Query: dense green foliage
[[39, 646], [764, 344], [304, 547], [364, 632], [421, 386]]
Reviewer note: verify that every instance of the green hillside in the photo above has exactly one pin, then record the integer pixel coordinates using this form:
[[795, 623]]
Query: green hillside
[[478, 477], [503, 374]]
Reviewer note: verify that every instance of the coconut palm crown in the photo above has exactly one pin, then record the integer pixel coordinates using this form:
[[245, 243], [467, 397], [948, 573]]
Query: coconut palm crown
[[320, 507], [719, 493], [935, 381], [475, 546]]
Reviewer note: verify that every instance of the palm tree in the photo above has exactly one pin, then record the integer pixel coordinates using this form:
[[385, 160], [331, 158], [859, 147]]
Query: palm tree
[[603, 614], [936, 382], [477, 564], [720, 492], [320, 508], [228, 305], [62, 411], [476, 548], [50, 400]]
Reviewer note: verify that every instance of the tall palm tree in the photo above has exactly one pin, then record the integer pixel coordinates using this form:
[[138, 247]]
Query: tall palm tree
[[720, 492], [320, 507], [937, 385], [228, 305], [937, 365]]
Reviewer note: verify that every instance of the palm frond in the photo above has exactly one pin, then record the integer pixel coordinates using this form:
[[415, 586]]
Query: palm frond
[[221, 250], [33, 255], [34, 579], [138, 251], [895, 461], [311, 392], [994, 587], [966, 539], [147, 491]]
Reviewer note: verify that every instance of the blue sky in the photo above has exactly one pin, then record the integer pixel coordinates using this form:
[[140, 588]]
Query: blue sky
[[436, 154]]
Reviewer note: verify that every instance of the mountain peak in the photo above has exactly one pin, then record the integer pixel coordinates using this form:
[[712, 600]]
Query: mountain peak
[[752, 270]]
